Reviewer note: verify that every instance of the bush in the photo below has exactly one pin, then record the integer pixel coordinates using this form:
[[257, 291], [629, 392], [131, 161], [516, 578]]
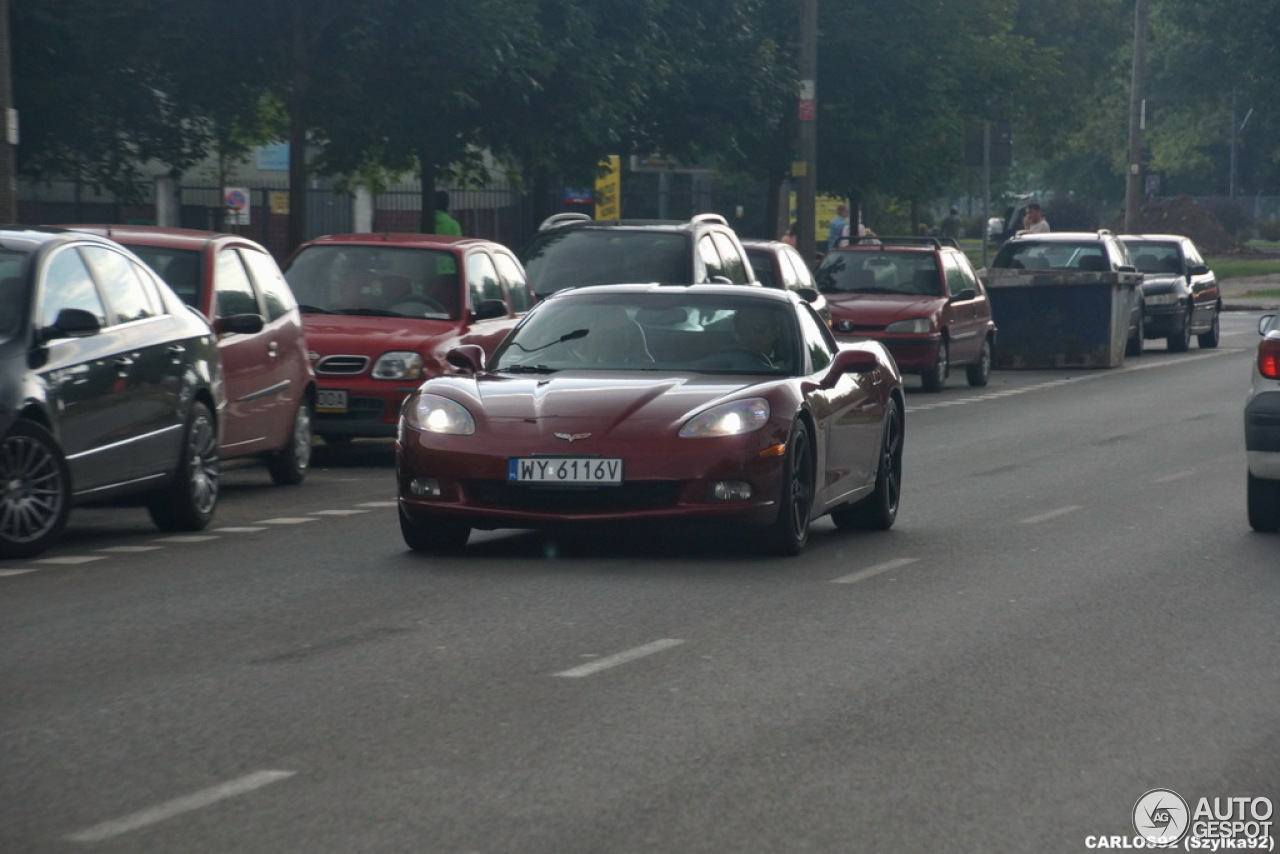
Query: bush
[[1269, 230], [1231, 215]]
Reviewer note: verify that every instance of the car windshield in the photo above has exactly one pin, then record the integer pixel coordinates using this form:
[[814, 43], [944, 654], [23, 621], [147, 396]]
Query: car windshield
[[1151, 257], [880, 273], [180, 268], [1051, 255], [654, 332], [573, 257], [389, 281], [13, 292]]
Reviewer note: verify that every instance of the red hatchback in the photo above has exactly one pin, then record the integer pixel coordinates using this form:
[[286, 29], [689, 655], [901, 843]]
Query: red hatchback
[[919, 297], [381, 310], [269, 384]]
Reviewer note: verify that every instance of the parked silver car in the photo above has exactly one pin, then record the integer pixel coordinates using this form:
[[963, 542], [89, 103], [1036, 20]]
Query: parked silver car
[[1262, 430]]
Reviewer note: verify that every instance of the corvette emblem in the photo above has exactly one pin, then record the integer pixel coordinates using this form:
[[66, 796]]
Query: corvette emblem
[[573, 437]]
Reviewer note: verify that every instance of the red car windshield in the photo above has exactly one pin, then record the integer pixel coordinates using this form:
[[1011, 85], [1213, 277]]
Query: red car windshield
[[377, 280], [880, 273]]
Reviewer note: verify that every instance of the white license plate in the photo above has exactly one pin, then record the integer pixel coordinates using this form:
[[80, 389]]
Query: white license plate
[[580, 470], [331, 400]]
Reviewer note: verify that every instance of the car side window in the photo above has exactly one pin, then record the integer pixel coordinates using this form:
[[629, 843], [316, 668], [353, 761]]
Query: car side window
[[128, 291], [482, 277], [232, 286], [266, 274], [731, 259], [67, 284], [959, 275], [518, 293], [803, 275], [817, 339], [710, 258]]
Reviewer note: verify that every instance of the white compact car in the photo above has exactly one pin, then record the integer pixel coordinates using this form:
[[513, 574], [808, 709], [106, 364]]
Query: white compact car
[[1262, 430]]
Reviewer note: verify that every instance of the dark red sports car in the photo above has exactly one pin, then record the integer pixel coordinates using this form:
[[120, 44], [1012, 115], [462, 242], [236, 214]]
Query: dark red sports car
[[633, 402]]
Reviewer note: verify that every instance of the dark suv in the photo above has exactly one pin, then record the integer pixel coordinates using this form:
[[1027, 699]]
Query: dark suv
[[571, 250]]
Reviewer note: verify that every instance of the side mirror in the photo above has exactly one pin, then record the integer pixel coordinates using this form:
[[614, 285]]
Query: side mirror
[[239, 324], [72, 323], [467, 357], [965, 295], [489, 309], [849, 361], [807, 294], [1264, 322], [1198, 269], [1126, 268]]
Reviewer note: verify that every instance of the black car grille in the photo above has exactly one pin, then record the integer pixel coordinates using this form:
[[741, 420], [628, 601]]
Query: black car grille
[[342, 365], [626, 496]]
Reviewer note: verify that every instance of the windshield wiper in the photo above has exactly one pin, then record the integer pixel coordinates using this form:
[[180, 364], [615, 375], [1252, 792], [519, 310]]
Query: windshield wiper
[[525, 369], [312, 309]]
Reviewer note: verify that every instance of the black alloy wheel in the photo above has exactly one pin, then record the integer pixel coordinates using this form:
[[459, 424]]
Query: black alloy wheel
[[1209, 340], [879, 510], [790, 533], [979, 374], [1180, 341], [188, 501], [35, 491], [936, 377], [289, 465]]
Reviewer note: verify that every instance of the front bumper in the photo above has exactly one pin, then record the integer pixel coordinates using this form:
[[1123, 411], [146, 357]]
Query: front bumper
[[370, 412], [1163, 321]]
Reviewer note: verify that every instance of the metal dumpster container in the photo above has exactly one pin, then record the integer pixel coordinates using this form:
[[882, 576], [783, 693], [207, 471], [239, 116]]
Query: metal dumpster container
[[1061, 319]]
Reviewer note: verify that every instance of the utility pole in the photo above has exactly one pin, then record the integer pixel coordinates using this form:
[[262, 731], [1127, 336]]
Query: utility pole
[[805, 169], [1137, 104], [8, 124]]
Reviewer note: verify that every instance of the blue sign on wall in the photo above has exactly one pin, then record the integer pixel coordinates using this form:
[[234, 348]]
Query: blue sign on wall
[[274, 157]]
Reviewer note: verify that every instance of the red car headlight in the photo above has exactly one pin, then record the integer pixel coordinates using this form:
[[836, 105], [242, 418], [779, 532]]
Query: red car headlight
[[728, 419], [434, 414]]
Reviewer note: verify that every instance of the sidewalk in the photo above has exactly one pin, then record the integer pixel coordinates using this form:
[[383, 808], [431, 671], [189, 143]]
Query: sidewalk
[[1236, 293]]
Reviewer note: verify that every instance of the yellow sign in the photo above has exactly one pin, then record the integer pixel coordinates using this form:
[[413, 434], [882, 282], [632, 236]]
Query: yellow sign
[[609, 189], [279, 201]]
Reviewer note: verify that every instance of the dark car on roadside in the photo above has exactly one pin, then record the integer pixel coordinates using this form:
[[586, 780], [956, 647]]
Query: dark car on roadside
[[571, 250], [381, 310], [270, 387], [918, 296], [110, 386], [1179, 292], [780, 265]]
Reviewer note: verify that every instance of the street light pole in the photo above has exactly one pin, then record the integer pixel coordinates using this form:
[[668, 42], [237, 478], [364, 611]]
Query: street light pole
[[805, 169], [1133, 175]]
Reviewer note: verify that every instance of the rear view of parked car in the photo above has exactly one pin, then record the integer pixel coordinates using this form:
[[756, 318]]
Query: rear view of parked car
[[1262, 430], [236, 283], [109, 386]]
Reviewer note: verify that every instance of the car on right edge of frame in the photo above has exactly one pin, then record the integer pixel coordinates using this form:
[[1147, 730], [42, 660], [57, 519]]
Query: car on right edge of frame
[[1262, 430], [1180, 293]]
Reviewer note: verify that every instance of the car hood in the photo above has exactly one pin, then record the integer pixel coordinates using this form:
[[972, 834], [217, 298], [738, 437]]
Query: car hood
[[368, 335], [629, 404], [882, 309], [1161, 283]]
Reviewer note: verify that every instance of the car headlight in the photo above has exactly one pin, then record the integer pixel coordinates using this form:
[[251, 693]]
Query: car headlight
[[728, 419], [398, 365], [435, 414], [1161, 299], [916, 324]]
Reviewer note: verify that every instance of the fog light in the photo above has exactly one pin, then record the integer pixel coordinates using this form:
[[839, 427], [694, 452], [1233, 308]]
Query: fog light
[[424, 487], [730, 490]]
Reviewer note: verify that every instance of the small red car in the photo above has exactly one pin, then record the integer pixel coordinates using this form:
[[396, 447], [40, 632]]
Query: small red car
[[269, 384], [919, 297], [381, 310]]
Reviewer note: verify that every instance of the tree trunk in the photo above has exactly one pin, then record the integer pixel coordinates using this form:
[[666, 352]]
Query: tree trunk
[[427, 176]]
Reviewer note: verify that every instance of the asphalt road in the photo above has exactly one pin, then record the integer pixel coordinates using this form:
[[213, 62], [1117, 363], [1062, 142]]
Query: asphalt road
[[1070, 612]]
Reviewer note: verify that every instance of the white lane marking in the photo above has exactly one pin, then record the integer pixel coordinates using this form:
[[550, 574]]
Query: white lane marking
[[177, 806], [339, 512], [1052, 514], [130, 549], [188, 538], [874, 570], [621, 658], [7, 572], [378, 504], [71, 560], [288, 520], [239, 530], [1170, 478]]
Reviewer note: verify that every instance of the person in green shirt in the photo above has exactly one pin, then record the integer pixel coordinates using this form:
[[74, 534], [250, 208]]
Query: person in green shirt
[[445, 224]]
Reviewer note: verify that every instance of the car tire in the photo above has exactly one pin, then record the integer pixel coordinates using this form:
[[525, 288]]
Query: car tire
[[1209, 340], [979, 373], [790, 533], [1264, 504], [935, 378], [438, 536], [36, 500], [189, 500], [1133, 347], [879, 510], [289, 465], [1180, 342]]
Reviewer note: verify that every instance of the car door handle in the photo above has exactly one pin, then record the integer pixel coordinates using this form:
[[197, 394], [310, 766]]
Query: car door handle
[[176, 350], [273, 349], [123, 361]]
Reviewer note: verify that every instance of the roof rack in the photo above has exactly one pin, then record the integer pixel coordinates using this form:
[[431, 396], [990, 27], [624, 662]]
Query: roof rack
[[901, 240], [562, 218], [709, 217]]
